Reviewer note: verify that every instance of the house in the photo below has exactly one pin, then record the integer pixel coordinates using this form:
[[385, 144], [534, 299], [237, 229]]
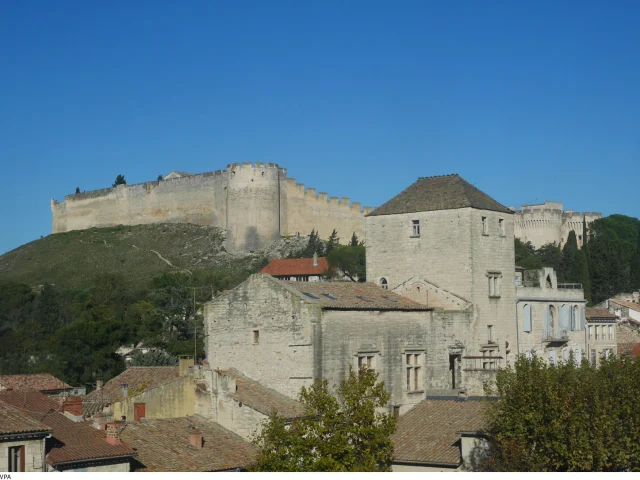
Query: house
[[601, 341], [298, 269], [22, 441], [440, 435], [550, 316], [43, 382], [239, 403], [626, 310], [186, 444], [73, 444]]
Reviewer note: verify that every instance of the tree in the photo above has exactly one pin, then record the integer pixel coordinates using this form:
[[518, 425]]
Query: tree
[[153, 358], [354, 240], [349, 261], [77, 189], [160, 178], [119, 181], [341, 433], [565, 418], [314, 245], [574, 265], [550, 255], [526, 255], [333, 242]]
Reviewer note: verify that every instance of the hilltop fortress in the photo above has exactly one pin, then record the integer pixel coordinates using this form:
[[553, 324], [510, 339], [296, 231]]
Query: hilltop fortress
[[254, 203], [547, 223]]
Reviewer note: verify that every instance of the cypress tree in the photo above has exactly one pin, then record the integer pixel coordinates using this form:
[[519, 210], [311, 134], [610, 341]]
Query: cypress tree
[[354, 240], [333, 242]]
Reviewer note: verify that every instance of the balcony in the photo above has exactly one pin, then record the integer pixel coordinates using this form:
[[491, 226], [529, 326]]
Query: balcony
[[569, 286], [561, 336]]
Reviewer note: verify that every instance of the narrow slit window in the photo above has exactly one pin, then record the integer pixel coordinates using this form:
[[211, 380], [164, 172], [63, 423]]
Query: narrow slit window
[[256, 337]]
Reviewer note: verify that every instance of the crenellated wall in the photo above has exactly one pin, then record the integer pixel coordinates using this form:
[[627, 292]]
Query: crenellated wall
[[254, 203], [548, 223]]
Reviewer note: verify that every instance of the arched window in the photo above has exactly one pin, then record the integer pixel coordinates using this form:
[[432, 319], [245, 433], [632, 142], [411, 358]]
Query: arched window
[[384, 284], [527, 318]]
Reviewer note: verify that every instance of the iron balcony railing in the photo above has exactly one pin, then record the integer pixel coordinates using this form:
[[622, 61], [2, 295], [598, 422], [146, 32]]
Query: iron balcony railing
[[559, 336]]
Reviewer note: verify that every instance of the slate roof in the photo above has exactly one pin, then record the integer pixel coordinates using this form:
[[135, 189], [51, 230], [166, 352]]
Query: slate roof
[[353, 296], [598, 313], [163, 445], [429, 431], [37, 381], [72, 441], [444, 192], [263, 399], [627, 304], [296, 266], [137, 379], [13, 421]]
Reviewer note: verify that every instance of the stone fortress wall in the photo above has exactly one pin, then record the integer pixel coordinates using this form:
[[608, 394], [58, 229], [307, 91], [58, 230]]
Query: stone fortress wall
[[254, 203], [548, 222]]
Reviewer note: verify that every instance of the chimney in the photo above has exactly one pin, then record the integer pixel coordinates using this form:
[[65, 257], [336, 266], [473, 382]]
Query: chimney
[[195, 438], [72, 408], [315, 259], [99, 384], [113, 433], [184, 364], [125, 390], [99, 421]]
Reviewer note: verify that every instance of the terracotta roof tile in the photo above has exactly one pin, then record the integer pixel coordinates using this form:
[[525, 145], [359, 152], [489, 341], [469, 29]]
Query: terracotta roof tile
[[163, 445], [598, 313], [37, 381], [137, 379], [74, 441], [13, 421], [427, 433], [296, 266], [444, 192], [263, 399], [626, 303], [353, 296]]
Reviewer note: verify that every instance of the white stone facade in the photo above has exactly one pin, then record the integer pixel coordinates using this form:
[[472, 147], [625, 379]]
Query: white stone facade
[[34, 454]]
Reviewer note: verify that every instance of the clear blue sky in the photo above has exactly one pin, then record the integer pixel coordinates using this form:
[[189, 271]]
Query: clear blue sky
[[530, 101]]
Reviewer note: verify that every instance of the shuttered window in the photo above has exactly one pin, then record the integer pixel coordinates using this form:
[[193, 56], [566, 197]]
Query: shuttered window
[[527, 318]]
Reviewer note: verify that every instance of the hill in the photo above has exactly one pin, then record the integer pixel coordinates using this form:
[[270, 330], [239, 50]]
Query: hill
[[141, 252]]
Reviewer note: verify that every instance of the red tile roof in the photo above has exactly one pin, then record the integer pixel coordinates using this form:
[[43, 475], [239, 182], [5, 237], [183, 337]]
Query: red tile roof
[[163, 445], [73, 441], [13, 421], [627, 304], [428, 432], [37, 381], [598, 313], [296, 266]]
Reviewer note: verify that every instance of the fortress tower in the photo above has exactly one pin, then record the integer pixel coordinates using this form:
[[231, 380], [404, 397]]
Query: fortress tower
[[548, 223]]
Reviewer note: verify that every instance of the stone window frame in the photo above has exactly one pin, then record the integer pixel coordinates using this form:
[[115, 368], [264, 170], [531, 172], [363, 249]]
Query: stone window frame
[[255, 336], [485, 226], [384, 283], [501, 230], [494, 278], [371, 357], [415, 228], [414, 369]]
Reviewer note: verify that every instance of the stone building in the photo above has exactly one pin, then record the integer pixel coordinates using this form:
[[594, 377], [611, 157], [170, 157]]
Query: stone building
[[601, 334], [254, 204], [298, 269], [22, 441], [549, 223], [550, 317]]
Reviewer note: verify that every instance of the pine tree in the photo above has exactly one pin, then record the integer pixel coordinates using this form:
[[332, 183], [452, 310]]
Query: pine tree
[[77, 189], [333, 242], [354, 240], [120, 180]]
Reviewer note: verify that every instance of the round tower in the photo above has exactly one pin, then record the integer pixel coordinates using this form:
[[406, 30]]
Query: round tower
[[539, 224], [253, 206]]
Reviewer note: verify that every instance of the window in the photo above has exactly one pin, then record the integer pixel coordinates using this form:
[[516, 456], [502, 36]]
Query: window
[[501, 227], [574, 318], [610, 332], [16, 459], [256, 336], [590, 332], [494, 283], [384, 284], [367, 361], [596, 329], [414, 368], [527, 318], [485, 226], [552, 357], [593, 356], [490, 333], [415, 228]]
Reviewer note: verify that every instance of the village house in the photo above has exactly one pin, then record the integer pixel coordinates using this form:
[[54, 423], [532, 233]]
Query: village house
[[43, 382], [628, 311], [601, 339], [22, 441], [72, 444], [298, 269]]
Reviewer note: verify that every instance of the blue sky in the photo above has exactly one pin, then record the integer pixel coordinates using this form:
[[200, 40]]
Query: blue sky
[[529, 101]]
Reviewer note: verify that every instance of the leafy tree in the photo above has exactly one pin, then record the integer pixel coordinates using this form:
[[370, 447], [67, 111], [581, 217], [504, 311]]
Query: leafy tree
[[153, 358], [526, 255], [341, 433], [333, 242], [565, 418], [349, 261], [550, 255], [49, 309], [120, 180], [77, 189], [635, 271]]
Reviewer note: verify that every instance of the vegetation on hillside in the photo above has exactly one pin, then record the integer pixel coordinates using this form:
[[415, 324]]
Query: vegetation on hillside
[[565, 418], [344, 432]]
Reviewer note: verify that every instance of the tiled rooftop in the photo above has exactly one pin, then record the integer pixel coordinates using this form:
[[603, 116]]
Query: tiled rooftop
[[138, 379], [444, 192], [428, 432], [13, 421], [593, 313], [626, 303], [353, 296], [163, 445], [37, 381], [72, 441], [263, 399], [296, 266]]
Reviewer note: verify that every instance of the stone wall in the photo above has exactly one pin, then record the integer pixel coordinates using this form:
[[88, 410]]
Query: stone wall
[[34, 454]]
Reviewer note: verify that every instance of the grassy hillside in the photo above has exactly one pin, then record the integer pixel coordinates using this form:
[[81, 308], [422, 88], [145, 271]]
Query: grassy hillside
[[73, 259]]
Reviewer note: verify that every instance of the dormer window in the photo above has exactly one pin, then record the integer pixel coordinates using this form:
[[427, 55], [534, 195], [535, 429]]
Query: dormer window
[[415, 228]]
